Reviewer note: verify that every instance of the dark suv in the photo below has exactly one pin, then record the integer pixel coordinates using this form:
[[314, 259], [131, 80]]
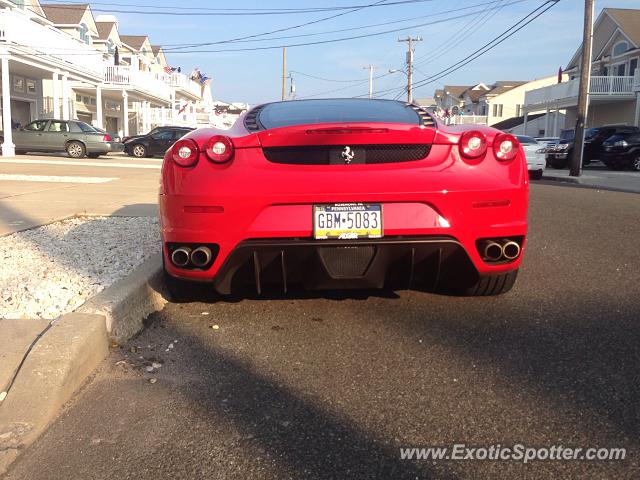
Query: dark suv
[[560, 155], [622, 151], [156, 142]]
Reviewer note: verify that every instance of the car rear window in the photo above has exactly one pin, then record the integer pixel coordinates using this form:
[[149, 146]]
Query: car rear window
[[86, 128], [347, 110]]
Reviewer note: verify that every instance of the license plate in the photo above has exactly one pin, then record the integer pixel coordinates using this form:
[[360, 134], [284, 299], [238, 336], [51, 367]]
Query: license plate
[[347, 221]]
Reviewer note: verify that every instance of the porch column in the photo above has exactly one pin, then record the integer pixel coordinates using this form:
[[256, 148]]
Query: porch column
[[524, 124], [65, 96], [546, 123], [125, 114], [637, 108], [163, 115], [56, 95], [8, 148], [555, 123], [145, 116], [99, 106]]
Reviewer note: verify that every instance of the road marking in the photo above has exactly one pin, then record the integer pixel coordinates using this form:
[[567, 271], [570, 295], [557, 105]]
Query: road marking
[[54, 178], [80, 164]]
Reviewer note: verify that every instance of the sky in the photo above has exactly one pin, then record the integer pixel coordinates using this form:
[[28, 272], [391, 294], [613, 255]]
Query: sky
[[254, 77]]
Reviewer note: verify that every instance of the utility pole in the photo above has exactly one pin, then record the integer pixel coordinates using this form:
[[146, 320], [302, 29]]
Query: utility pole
[[371, 68], [583, 95], [292, 88], [409, 40], [284, 73]]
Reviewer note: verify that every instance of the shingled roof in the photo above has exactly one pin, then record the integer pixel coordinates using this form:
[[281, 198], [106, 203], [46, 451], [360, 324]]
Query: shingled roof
[[104, 29], [456, 90], [135, 41], [65, 13], [629, 21]]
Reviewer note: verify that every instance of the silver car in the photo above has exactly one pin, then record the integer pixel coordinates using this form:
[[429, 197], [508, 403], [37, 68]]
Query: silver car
[[76, 138]]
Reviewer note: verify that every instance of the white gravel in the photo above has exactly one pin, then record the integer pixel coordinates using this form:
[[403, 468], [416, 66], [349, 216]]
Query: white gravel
[[52, 270]]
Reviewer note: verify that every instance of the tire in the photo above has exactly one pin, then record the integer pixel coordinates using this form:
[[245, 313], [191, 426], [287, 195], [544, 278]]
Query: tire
[[76, 149], [93, 155], [139, 151], [535, 175], [488, 285], [558, 163], [635, 163]]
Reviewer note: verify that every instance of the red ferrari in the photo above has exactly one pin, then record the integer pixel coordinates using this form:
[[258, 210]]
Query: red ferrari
[[344, 193]]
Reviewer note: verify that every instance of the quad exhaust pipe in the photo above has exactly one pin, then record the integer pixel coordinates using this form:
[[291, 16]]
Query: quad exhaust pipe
[[190, 257], [180, 256], [511, 250], [499, 250], [492, 251], [201, 256]]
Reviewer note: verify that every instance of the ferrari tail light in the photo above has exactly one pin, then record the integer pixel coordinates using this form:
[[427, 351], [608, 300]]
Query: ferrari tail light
[[185, 152], [219, 149], [473, 145], [505, 147], [106, 138]]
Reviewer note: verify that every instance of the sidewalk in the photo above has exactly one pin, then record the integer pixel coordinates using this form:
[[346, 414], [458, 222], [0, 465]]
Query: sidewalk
[[35, 190], [593, 177]]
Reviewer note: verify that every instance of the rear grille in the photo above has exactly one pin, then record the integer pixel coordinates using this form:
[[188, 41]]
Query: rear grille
[[332, 154]]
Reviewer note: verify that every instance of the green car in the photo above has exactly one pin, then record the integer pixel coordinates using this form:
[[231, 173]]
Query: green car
[[76, 138]]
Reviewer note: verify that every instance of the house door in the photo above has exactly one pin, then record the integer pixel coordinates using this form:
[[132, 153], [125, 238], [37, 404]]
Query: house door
[[20, 112], [111, 125]]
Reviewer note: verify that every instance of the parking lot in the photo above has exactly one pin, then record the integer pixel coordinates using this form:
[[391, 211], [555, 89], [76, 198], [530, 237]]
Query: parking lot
[[333, 386]]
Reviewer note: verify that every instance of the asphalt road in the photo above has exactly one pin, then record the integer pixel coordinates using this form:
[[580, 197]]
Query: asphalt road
[[332, 387]]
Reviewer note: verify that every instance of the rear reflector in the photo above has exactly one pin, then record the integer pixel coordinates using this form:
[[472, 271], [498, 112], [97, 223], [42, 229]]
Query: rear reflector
[[204, 209]]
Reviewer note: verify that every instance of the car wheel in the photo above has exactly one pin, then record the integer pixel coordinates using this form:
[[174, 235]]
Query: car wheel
[[139, 151], [635, 164], [535, 175], [75, 149], [491, 285]]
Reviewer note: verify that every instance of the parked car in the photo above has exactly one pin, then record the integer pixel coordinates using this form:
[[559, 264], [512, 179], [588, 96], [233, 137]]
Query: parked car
[[156, 142], [116, 144], [72, 136], [343, 194], [534, 155], [548, 141], [622, 151], [559, 156]]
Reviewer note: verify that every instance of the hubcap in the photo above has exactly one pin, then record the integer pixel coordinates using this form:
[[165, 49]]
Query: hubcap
[[138, 151], [75, 150], [636, 164]]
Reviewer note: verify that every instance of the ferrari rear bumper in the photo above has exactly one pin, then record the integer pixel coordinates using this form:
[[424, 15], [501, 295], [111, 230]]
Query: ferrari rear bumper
[[424, 263]]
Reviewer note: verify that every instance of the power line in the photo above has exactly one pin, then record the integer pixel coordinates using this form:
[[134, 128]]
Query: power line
[[509, 32], [202, 11], [271, 47], [251, 38]]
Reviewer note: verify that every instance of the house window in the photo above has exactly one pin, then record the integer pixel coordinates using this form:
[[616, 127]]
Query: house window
[[605, 71], [84, 33], [619, 70], [78, 97], [497, 110], [111, 48], [620, 48], [18, 3], [519, 110], [633, 65]]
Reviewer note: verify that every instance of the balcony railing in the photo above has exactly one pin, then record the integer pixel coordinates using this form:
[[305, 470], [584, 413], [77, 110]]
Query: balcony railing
[[181, 81], [19, 29], [600, 86], [154, 83]]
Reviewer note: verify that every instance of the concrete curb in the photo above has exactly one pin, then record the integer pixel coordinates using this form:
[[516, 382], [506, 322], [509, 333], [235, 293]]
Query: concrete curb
[[128, 302], [561, 178], [70, 351]]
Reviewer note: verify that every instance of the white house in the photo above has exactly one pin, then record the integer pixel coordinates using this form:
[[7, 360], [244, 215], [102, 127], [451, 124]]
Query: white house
[[615, 82]]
